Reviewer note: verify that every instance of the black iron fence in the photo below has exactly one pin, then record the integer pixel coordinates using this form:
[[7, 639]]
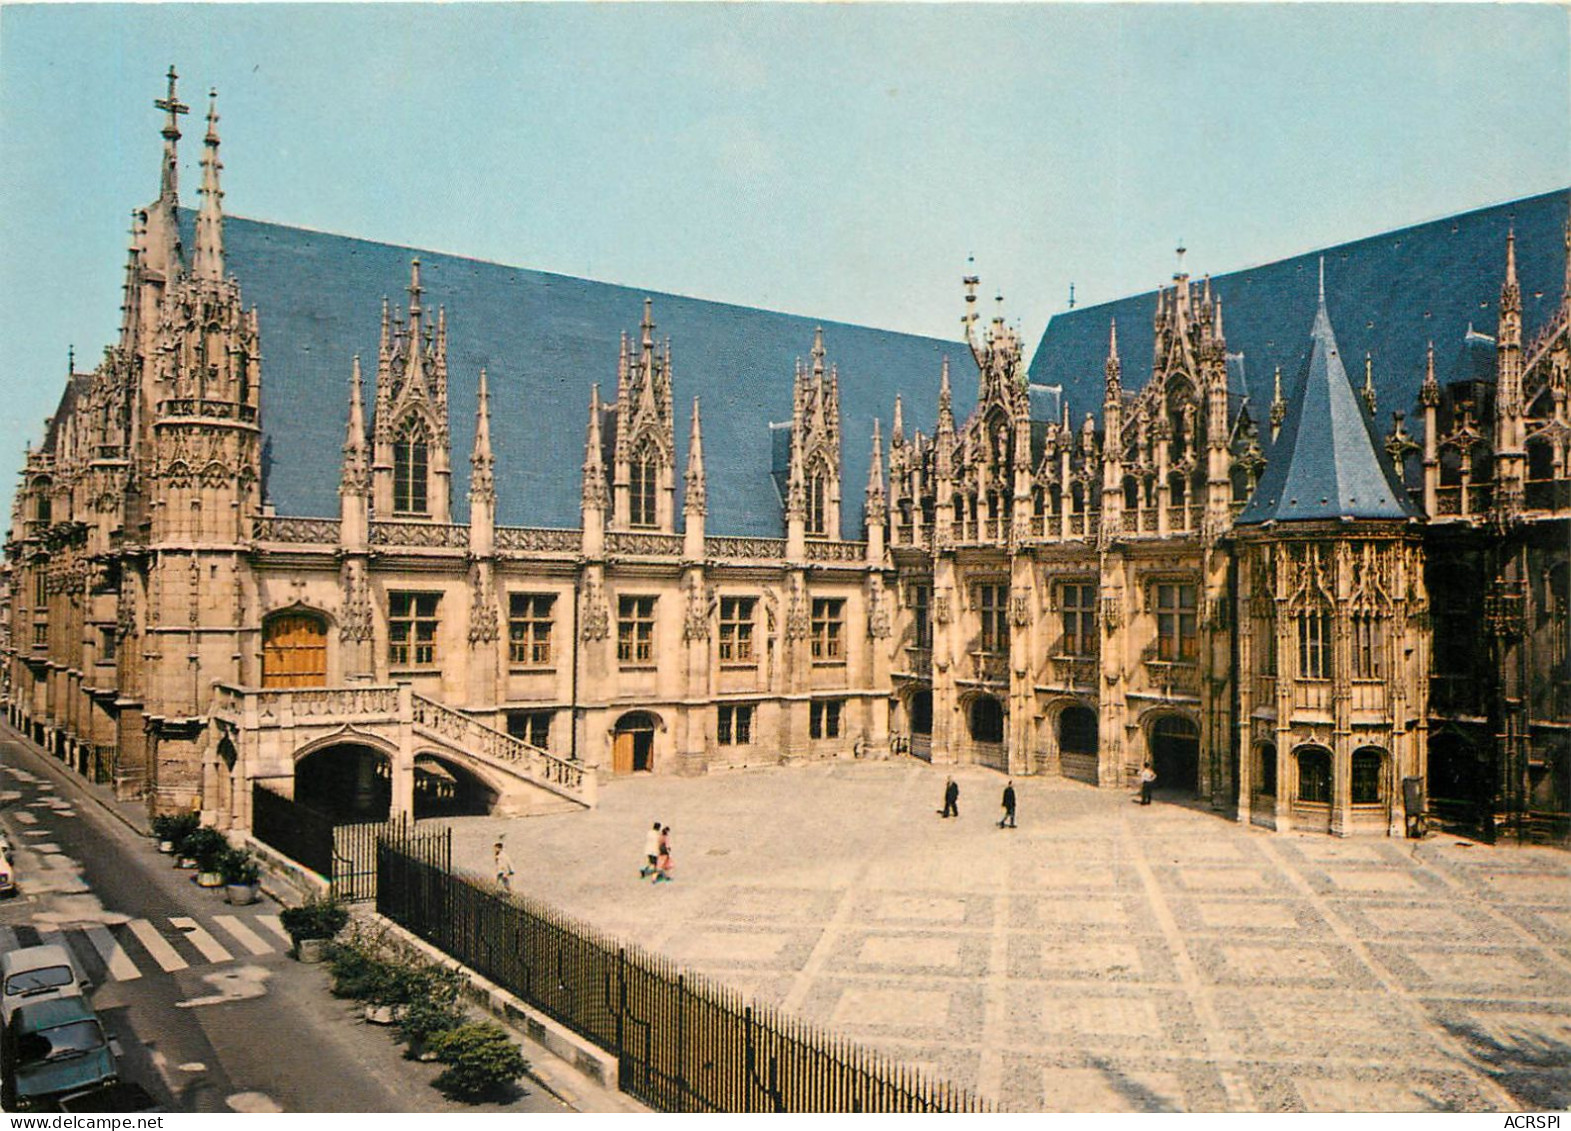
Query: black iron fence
[[303, 834], [354, 853], [682, 1043]]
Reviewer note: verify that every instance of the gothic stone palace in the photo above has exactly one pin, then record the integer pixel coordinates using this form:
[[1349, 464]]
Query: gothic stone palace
[[1303, 557]]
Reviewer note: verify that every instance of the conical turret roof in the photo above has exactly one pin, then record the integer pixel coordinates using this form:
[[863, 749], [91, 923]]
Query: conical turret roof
[[1327, 462]]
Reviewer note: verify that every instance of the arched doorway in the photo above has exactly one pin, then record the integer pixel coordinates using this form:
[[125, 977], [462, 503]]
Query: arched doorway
[[446, 789], [921, 709], [1175, 754], [633, 743], [986, 716], [1077, 744], [348, 780], [224, 774], [294, 650]]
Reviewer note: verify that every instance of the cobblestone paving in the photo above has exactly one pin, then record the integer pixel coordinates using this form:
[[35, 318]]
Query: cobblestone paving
[[1102, 957]]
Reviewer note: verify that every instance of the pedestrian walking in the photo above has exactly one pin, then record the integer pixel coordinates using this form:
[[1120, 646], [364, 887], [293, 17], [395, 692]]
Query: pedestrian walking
[[951, 799], [504, 867], [1147, 776], [1007, 821], [664, 863], [651, 853]]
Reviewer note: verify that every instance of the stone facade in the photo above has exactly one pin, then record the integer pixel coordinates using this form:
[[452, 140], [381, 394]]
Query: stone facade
[[1043, 596]]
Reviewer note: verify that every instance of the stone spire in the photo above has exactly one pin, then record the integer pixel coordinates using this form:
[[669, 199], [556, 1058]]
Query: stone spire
[[1278, 406], [1510, 290], [357, 459], [1371, 398], [169, 179], [1113, 369], [694, 500], [208, 260], [594, 487], [482, 464], [875, 477], [897, 434]]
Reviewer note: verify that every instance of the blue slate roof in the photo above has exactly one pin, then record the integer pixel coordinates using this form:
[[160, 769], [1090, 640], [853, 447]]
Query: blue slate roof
[[1388, 295], [1327, 462], [544, 339]]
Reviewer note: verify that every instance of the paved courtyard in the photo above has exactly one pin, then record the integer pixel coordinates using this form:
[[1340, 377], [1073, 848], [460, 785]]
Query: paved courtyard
[[1104, 956]]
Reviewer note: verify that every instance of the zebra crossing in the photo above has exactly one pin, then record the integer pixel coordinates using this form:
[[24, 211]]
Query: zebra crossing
[[126, 951]]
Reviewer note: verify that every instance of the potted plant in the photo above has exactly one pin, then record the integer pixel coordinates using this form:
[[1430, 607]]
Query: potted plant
[[169, 829], [312, 924], [242, 876], [206, 847]]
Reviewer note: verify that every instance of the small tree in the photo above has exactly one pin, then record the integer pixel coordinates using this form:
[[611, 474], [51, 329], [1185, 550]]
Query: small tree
[[432, 1006], [482, 1061]]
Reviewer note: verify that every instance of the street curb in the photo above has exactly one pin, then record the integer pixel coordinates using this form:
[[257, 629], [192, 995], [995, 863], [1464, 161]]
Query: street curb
[[108, 806], [579, 1056]]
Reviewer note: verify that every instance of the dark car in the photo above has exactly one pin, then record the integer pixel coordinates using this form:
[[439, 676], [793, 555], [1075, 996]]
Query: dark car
[[52, 1047]]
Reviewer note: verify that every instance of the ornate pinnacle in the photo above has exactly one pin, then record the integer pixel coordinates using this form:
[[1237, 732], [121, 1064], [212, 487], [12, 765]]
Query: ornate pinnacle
[[1370, 399], [1113, 368], [1429, 391], [694, 497], [594, 489], [875, 474], [1278, 404], [1510, 292], [173, 108], [208, 260]]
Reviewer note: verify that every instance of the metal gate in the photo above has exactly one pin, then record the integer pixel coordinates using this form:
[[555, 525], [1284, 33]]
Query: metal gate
[[354, 852]]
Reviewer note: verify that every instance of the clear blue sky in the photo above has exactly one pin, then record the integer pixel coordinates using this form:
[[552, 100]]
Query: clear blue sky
[[831, 160]]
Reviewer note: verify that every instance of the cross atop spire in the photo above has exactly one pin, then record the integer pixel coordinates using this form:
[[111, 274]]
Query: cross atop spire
[[172, 106]]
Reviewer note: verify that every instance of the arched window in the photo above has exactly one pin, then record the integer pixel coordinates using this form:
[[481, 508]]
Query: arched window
[[1314, 774], [1077, 731], [987, 719], [1367, 764], [410, 462], [641, 496]]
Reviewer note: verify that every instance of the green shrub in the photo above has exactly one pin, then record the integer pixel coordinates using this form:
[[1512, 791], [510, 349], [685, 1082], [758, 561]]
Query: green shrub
[[356, 972], [482, 1061], [315, 919]]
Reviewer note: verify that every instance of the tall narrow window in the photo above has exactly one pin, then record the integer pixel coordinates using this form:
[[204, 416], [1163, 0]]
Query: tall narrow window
[[734, 724], [824, 718], [818, 504], [1175, 623], [411, 629], [1366, 776], [827, 630], [1314, 775], [993, 604], [736, 630], [921, 600], [1079, 606], [1314, 645], [533, 727], [529, 629], [409, 470], [641, 497], [635, 631], [1368, 644]]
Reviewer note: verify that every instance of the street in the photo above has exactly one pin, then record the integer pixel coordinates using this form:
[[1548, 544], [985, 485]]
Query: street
[[204, 1006]]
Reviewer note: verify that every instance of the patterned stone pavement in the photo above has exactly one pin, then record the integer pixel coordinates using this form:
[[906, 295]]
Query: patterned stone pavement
[[1102, 957]]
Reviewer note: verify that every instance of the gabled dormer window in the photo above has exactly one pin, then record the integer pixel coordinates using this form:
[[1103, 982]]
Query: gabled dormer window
[[410, 461]]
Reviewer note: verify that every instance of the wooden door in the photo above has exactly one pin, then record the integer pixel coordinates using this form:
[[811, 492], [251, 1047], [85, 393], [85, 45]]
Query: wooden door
[[622, 754], [294, 651]]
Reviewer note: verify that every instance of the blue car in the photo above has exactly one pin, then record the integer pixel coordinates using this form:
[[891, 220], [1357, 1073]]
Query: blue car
[[53, 1046]]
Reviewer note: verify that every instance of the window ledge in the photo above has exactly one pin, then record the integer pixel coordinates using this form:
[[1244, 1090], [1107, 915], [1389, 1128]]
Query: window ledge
[[530, 669], [415, 669], [829, 663], [738, 665], [640, 666]]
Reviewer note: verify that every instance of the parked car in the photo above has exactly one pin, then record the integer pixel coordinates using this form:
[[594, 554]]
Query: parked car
[[53, 1047], [37, 973], [122, 1095], [7, 877]]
